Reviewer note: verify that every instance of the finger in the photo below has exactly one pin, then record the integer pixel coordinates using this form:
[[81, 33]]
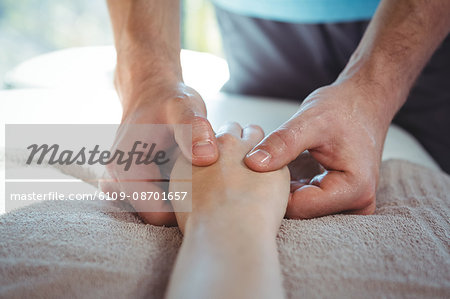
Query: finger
[[200, 146], [164, 216], [283, 145], [297, 184], [155, 212], [305, 167], [231, 128], [252, 134], [331, 192], [150, 207], [159, 218]]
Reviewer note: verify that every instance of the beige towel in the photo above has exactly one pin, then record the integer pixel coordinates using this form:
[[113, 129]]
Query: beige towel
[[92, 250]]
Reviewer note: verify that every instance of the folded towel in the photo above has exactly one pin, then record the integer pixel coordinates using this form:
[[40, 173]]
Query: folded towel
[[95, 250]]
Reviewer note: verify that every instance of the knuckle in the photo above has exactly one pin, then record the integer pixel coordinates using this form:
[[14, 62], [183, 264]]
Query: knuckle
[[186, 106], [325, 122], [313, 117], [280, 141], [199, 123], [179, 98], [174, 103]]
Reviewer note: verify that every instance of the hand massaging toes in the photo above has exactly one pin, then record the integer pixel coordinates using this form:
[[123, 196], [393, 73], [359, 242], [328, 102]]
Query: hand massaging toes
[[250, 135]]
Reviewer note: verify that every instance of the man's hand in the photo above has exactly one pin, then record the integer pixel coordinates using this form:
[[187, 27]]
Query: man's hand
[[171, 106], [344, 131], [344, 125], [149, 82]]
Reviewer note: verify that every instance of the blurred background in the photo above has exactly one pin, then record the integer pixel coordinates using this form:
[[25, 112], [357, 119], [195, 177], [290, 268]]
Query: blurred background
[[32, 27], [73, 82]]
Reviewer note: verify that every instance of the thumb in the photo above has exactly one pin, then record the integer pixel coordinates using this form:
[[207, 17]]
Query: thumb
[[282, 146], [196, 141]]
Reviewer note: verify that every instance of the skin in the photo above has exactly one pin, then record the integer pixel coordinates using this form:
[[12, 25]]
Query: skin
[[229, 248], [150, 86], [343, 125]]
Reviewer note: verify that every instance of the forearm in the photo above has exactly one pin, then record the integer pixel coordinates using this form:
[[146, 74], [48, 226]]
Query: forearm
[[147, 40], [400, 39], [226, 260]]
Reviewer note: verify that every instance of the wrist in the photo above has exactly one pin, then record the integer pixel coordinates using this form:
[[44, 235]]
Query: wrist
[[143, 63], [143, 66], [140, 84], [380, 74], [147, 37], [378, 87]]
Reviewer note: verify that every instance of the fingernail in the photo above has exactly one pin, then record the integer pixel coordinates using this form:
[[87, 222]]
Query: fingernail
[[203, 149], [259, 156]]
